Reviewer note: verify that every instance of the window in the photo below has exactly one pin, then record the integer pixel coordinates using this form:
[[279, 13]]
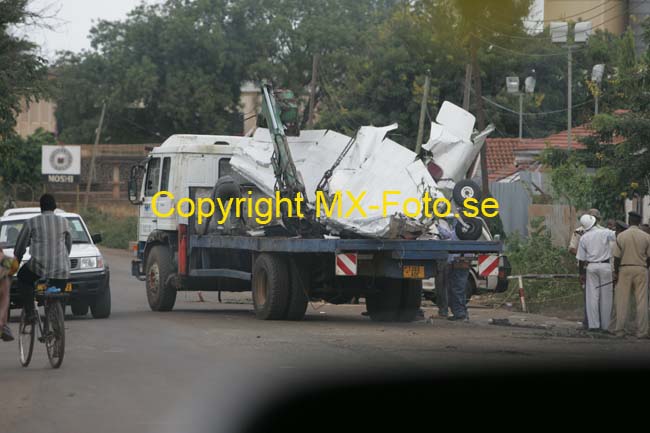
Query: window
[[77, 231], [9, 233], [164, 179], [153, 177], [226, 170]]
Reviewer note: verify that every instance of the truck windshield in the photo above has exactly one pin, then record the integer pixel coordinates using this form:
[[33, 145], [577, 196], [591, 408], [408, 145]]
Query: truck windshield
[[9, 231]]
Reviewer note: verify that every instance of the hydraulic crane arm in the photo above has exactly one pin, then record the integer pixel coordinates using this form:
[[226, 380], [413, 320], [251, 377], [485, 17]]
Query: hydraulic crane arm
[[288, 180]]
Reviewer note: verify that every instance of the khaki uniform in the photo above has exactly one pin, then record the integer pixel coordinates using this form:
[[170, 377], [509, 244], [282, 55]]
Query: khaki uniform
[[633, 249]]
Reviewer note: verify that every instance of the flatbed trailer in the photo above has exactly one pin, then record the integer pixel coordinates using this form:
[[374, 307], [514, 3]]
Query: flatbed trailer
[[285, 273]]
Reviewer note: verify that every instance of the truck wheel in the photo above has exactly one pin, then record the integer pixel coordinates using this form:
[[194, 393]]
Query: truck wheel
[[101, 307], [466, 189], [159, 267], [298, 300], [397, 301], [411, 300], [270, 287], [384, 305], [79, 307]]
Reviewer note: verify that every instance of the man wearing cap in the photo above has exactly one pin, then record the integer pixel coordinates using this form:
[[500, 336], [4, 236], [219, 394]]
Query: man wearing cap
[[594, 254], [573, 249], [631, 261], [579, 231]]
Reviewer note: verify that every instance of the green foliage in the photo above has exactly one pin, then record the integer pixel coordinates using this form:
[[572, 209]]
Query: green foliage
[[537, 255], [23, 73], [571, 181], [116, 232], [20, 158], [183, 63]]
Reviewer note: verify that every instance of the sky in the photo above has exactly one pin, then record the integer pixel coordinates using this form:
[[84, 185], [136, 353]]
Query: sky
[[72, 19]]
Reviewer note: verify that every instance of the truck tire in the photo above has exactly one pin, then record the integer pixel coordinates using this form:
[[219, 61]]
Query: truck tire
[[397, 301], [411, 300], [270, 287], [298, 300], [79, 307], [158, 269], [101, 306], [225, 189], [384, 305], [466, 189]]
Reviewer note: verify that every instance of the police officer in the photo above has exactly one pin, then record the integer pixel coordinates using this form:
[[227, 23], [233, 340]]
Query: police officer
[[573, 249], [631, 261], [594, 254]]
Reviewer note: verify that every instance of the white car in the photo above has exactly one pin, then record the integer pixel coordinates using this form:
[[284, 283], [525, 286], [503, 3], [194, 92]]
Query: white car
[[89, 273]]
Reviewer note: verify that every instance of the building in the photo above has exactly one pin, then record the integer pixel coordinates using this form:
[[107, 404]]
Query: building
[[614, 16], [37, 115], [520, 184]]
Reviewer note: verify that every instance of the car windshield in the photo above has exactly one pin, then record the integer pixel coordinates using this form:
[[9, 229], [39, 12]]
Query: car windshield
[[9, 231]]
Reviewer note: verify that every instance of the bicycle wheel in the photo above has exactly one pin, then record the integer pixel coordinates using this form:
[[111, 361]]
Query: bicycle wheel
[[26, 333], [55, 333]]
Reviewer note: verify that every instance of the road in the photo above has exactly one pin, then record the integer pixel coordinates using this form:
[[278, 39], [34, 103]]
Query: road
[[141, 371]]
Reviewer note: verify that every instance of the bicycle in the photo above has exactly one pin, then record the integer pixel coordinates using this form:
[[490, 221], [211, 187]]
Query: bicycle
[[51, 329]]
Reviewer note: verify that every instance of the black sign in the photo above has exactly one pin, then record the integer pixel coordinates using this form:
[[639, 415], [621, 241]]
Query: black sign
[[60, 178]]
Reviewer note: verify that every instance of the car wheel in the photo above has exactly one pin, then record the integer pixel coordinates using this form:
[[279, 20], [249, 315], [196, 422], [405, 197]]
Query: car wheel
[[79, 308], [101, 308]]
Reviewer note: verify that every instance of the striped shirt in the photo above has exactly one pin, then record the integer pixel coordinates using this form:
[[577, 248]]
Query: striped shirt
[[49, 241]]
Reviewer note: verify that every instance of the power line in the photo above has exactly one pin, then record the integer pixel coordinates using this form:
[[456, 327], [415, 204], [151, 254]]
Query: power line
[[506, 35], [541, 113], [570, 16]]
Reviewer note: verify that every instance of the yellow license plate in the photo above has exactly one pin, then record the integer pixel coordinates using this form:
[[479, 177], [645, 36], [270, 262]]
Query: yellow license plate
[[416, 272], [68, 287]]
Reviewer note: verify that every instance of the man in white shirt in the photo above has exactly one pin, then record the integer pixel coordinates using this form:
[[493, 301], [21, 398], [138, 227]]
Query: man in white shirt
[[594, 255]]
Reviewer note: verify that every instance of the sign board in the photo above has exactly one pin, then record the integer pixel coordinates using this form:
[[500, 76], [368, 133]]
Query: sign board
[[61, 164]]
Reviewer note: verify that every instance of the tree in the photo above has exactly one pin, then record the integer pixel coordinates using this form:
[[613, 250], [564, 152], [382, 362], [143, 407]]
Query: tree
[[20, 158], [184, 62], [167, 68], [23, 76]]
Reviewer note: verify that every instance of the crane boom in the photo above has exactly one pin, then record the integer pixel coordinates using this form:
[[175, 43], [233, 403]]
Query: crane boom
[[288, 180]]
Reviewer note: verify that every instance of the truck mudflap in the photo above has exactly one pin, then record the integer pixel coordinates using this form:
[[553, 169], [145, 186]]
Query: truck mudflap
[[137, 269]]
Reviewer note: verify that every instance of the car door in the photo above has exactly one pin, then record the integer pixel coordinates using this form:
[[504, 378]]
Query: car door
[[148, 221]]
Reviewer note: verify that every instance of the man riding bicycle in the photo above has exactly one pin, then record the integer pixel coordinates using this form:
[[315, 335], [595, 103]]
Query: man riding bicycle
[[48, 238]]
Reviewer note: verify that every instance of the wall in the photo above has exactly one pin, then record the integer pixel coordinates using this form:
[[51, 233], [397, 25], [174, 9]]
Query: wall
[[559, 219]]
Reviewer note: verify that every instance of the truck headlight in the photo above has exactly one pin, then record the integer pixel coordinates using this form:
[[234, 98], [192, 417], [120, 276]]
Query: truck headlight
[[91, 262]]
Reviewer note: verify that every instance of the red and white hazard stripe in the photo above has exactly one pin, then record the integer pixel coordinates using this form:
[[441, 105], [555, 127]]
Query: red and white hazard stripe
[[488, 265], [346, 264]]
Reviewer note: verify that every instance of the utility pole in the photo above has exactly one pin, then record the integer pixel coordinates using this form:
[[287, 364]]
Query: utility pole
[[521, 115], [467, 86], [423, 111], [480, 117], [312, 90], [559, 34], [91, 170], [569, 97]]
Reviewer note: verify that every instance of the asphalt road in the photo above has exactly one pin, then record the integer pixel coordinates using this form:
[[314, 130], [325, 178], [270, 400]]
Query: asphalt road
[[206, 365]]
